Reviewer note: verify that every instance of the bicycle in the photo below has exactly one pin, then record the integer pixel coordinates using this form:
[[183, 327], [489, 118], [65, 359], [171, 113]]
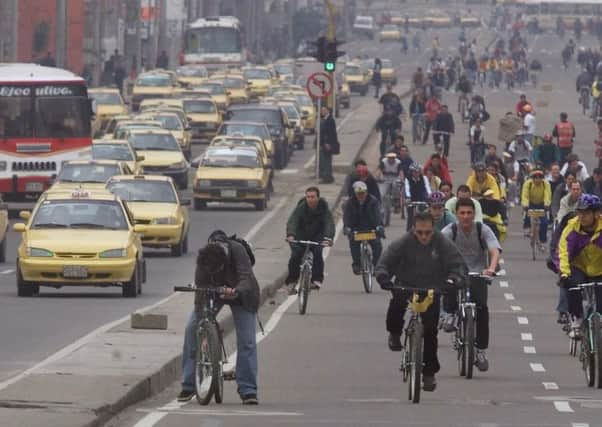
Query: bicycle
[[306, 267], [438, 135], [210, 355], [534, 78], [389, 200], [584, 98], [464, 338], [591, 335], [536, 244], [366, 260], [419, 126], [462, 106]]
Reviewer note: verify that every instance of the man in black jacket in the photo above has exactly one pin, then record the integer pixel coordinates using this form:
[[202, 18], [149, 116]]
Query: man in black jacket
[[224, 262], [443, 128], [361, 173], [593, 184], [362, 213], [389, 125], [423, 258], [329, 145]]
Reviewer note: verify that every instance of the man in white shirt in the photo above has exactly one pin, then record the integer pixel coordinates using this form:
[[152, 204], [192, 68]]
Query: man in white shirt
[[529, 123], [576, 166]]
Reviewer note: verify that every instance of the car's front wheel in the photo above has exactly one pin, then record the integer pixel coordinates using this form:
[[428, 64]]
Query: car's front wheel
[[24, 288], [131, 288]]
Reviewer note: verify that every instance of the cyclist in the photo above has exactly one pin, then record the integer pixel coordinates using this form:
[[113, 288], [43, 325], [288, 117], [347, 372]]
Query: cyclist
[[433, 107], [598, 143], [483, 70], [569, 202], [422, 258], [391, 99], [406, 160], [593, 184], [361, 173], [311, 220], [463, 192], [444, 122], [596, 93], [479, 181], [464, 87], [536, 194], [481, 252], [535, 68], [520, 148], [389, 125], [224, 262], [477, 142], [520, 105], [564, 131], [362, 213], [580, 254], [390, 171], [417, 189], [546, 153], [584, 83], [440, 167], [417, 110], [437, 209], [529, 123], [573, 164]]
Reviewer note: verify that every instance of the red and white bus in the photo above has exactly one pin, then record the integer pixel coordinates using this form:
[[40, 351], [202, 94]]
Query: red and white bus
[[45, 118]]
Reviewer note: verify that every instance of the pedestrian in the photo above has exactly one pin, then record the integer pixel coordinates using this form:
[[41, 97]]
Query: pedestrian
[[163, 60], [329, 145], [564, 132], [376, 77], [119, 74]]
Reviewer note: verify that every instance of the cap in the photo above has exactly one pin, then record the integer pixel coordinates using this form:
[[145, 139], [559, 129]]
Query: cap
[[360, 187]]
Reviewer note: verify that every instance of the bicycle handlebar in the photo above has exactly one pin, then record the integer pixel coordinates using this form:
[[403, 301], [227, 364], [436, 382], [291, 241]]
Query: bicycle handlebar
[[585, 285], [484, 277], [205, 290], [306, 242]]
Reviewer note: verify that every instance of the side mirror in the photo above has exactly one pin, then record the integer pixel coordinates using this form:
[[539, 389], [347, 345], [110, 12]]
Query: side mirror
[[140, 229], [229, 93], [249, 83], [25, 215], [195, 163], [187, 128], [185, 202], [140, 158], [19, 227], [304, 115]]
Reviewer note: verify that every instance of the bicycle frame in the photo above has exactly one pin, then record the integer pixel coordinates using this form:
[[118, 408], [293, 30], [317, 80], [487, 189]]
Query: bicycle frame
[[535, 215]]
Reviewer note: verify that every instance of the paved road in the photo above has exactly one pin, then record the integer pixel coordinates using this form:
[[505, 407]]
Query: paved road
[[332, 367]]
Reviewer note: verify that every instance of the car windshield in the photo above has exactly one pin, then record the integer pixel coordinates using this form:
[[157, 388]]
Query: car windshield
[[291, 111], [304, 101], [255, 74], [156, 80], [86, 214], [87, 172], [213, 40], [353, 71], [169, 121], [192, 72], [138, 190], [386, 63], [232, 83], [199, 106], [389, 28], [283, 68], [236, 142], [112, 152], [121, 131], [363, 21], [106, 98], [214, 89], [233, 159], [154, 141], [243, 129], [268, 116]]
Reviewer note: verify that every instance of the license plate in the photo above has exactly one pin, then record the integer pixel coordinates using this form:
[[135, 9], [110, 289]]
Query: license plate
[[36, 187], [228, 194], [370, 235], [75, 272]]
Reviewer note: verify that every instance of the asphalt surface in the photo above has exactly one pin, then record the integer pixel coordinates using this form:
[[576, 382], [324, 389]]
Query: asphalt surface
[[333, 367]]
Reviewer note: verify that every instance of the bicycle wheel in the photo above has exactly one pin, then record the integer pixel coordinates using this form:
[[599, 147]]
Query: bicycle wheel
[[533, 240], [387, 209], [207, 362], [572, 346], [459, 341], [367, 267], [469, 336], [415, 382], [597, 344], [583, 105], [586, 357], [304, 285]]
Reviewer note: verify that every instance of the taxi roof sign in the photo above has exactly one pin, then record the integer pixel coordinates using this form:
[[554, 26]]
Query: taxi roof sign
[[80, 193]]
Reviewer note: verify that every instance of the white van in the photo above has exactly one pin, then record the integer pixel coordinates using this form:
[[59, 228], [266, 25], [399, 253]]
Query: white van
[[364, 26]]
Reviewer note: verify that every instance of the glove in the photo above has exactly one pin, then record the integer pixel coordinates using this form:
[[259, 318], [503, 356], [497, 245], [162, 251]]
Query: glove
[[386, 286], [382, 279], [454, 280], [564, 282], [346, 231], [380, 231]]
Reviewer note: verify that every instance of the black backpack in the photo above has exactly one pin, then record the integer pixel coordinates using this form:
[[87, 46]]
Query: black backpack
[[245, 245]]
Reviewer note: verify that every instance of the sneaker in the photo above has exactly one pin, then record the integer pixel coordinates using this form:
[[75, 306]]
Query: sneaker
[[185, 395], [395, 342], [429, 383], [575, 327], [356, 269], [481, 361], [316, 285], [563, 319], [249, 399], [449, 323]]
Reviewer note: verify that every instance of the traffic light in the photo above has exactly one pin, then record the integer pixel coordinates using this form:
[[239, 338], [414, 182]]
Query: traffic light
[[319, 51], [331, 55]]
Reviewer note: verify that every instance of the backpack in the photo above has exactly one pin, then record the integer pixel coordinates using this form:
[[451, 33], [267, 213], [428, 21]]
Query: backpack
[[245, 245], [479, 230]]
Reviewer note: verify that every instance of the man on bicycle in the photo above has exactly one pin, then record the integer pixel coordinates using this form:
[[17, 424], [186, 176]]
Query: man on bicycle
[[224, 262], [580, 254], [361, 173], [391, 99], [390, 171], [536, 194], [480, 181], [464, 88], [417, 189], [441, 216], [443, 129], [311, 220], [389, 125], [481, 251], [423, 258], [362, 213]]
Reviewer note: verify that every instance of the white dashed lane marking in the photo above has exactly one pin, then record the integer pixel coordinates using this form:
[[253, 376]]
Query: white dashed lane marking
[[526, 336], [516, 308], [509, 297], [522, 320], [503, 284], [529, 349], [563, 406], [537, 367], [550, 386]]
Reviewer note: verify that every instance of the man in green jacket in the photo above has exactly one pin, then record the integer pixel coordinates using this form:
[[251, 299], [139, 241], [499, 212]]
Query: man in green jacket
[[311, 220]]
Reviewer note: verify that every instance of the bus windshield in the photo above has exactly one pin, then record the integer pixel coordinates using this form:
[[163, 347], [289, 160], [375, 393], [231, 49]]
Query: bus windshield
[[213, 40]]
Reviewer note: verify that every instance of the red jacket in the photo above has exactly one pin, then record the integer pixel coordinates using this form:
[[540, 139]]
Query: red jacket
[[442, 173], [433, 106]]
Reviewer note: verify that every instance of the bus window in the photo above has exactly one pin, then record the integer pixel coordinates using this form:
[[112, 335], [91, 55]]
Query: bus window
[[15, 117], [62, 117], [213, 40]]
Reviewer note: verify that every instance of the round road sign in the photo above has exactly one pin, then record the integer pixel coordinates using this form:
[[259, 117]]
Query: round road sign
[[319, 85]]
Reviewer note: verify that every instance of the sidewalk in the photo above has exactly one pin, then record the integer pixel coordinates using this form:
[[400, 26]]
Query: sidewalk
[[118, 366]]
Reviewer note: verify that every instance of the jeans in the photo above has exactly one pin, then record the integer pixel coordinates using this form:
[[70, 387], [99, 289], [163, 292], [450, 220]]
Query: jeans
[[477, 152], [563, 301], [575, 299], [430, 321], [437, 140], [417, 120], [543, 223], [478, 294], [325, 166], [294, 263], [427, 130], [564, 151], [246, 355], [386, 134], [354, 246]]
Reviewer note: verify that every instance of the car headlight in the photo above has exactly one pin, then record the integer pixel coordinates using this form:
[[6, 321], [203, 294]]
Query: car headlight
[[179, 165], [203, 183], [252, 184], [170, 220], [38, 252], [114, 253]]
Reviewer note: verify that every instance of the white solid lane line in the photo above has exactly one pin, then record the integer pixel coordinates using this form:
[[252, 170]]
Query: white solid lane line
[[522, 320], [526, 336], [562, 406], [529, 349], [9, 271], [579, 425], [550, 386], [537, 367]]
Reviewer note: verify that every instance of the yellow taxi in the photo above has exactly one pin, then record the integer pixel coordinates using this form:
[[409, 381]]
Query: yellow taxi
[[123, 128], [387, 72], [294, 118], [162, 154], [396, 18], [155, 103], [154, 203], [120, 150], [231, 174], [87, 174], [79, 238], [357, 77], [171, 121], [389, 32], [438, 21], [259, 79], [236, 87], [239, 140], [470, 22], [204, 117], [218, 93], [284, 69], [113, 122], [109, 103], [182, 92], [260, 130], [309, 114], [153, 84], [3, 229], [190, 75], [344, 95]]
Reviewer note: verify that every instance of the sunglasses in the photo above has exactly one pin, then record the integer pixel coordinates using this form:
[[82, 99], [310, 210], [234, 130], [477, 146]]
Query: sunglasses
[[423, 232]]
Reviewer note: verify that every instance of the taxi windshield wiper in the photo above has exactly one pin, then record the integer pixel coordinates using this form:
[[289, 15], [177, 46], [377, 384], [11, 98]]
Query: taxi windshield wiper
[[49, 225], [87, 225]]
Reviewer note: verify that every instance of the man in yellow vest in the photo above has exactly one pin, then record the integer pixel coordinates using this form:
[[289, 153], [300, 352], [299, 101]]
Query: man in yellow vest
[[564, 131], [537, 194]]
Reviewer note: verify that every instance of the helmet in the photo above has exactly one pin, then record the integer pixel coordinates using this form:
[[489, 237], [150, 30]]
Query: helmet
[[415, 167], [436, 198], [589, 201], [527, 108], [547, 137], [360, 187], [362, 170]]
